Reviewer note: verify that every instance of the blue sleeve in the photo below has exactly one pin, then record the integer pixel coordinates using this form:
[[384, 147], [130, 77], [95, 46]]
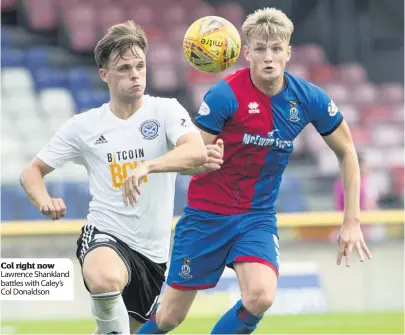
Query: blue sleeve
[[326, 116], [219, 104]]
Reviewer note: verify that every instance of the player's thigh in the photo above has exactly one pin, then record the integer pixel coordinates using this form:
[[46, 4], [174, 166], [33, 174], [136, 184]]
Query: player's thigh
[[175, 305], [258, 284], [134, 325], [201, 243], [145, 284], [105, 267], [254, 255]]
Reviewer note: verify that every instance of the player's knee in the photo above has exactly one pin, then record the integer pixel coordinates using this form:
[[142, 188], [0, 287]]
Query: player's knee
[[170, 318], [257, 301], [103, 281]]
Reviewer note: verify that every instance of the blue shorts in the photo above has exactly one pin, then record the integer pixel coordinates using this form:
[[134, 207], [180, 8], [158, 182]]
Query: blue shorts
[[205, 242]]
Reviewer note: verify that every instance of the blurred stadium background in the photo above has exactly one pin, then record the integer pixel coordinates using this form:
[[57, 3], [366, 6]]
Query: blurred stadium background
[[352, 49]]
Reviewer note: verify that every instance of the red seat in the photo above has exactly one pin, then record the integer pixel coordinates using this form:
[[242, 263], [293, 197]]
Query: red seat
[[160, 53], [298, 70], [362, 136], [364, 94], [83, 37], [375, 114], [201, 78], [352, 73], [309, 54], [189, 4], [145, 16], [350, 113], [398, 173], [387, 135], [200, 10], [164, 78], [80, 15], [108, 16], [176, 35], [174, 14], [42, 14], [233, 12], [106, 3], [7, 4], [394, 156], [63, 5], [322, 74], [338, 92], [128, 4], [397, 113], [391, 93]]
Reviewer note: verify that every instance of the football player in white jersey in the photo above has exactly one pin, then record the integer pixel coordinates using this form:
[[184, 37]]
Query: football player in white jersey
[[136, 138]]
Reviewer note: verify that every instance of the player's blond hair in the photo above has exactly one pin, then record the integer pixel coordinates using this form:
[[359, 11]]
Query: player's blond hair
[[266, 23], [120, 38]]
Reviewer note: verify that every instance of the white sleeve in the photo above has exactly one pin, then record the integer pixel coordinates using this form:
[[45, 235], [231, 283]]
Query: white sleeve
[[63, 146], [178, 122]]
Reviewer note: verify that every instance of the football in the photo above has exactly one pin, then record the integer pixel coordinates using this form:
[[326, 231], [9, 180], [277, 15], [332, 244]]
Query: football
[[212, 44]]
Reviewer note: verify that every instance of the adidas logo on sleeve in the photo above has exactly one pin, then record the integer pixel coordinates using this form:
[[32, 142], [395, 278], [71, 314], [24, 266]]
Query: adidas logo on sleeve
[[101, 140]]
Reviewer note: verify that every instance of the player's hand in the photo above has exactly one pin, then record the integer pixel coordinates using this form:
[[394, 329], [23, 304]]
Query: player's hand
[[130, 187], [215, 154], [351, 237], [54, 207]]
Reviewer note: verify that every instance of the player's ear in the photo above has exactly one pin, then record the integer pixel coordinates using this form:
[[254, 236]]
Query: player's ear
[[246, 52], [103, 74], [289, 53]]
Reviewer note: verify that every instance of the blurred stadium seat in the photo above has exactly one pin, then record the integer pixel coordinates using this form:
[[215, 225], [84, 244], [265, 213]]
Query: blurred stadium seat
[[352, 73]]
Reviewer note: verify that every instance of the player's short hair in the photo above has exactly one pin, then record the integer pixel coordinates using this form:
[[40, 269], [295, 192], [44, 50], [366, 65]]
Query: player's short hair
[[120, 37], [268, 22]]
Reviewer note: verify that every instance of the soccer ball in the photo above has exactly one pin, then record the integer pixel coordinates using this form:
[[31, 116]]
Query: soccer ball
[[212, 44]]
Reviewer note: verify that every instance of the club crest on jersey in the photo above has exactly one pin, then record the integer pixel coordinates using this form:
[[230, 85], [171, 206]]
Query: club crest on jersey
[[149, 129], [186, 269], [293, 112]]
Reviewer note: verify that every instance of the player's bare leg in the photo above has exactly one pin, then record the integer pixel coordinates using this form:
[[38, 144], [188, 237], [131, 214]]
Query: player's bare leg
[[106, 276], [134, 325], [170, 313], [258, 284]]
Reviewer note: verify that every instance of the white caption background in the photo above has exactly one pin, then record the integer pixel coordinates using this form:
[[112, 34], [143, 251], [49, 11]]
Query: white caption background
[[36, 279]]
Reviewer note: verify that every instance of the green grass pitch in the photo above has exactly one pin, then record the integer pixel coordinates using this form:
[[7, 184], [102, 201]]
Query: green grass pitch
[[365, 323]]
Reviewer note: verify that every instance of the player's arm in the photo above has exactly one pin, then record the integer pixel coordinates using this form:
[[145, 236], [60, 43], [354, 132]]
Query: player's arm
[[189, 150], [61, 148], [218, 106], [32, 181], [215, 153], [340, 141], [188, 153], [329, 122]]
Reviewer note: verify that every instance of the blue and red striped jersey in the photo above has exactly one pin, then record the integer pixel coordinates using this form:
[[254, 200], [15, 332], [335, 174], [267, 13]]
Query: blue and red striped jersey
[[258, 133]]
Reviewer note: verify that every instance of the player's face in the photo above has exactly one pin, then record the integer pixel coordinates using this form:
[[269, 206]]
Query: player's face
[[267, 58], [126, 75]]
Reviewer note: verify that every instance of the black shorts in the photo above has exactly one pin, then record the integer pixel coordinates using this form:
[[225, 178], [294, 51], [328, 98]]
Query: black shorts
[[145, 278]]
